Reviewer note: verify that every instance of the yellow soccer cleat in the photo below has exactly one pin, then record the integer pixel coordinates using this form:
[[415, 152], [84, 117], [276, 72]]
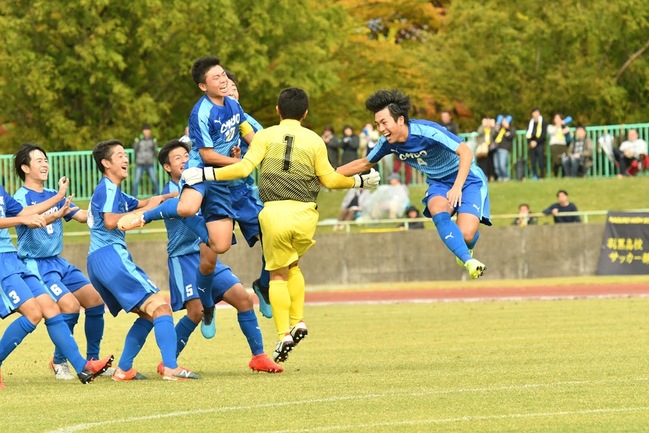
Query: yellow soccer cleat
[[459, 262], [475, 268], [130, 221]]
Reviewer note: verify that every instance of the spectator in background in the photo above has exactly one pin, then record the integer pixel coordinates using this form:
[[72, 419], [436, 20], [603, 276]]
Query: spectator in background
[[333, 146], [524, 218], [353, 203], [349, 144], [413, 213], [559, 136], [563, 205], [633, 154], [447, 122], [388, 201], [484, 147], [368, 139], [503, 140], [536, 135], [145, 151], [579, 156]]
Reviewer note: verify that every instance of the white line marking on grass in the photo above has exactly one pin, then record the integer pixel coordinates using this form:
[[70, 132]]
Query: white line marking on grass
[[466, 418], [86, 426]]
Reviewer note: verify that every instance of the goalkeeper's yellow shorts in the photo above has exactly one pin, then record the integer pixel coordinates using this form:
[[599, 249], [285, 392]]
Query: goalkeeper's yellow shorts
[[287, 229]]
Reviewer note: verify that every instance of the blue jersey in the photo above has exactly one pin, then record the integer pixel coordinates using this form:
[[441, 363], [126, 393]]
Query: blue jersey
[[214, 127], [181, 239], [8, 208], [40, 242], [429, 148], [107, 197]]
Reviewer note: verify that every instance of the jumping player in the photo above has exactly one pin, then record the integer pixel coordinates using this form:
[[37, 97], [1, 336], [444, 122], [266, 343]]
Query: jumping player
[[455, 183]]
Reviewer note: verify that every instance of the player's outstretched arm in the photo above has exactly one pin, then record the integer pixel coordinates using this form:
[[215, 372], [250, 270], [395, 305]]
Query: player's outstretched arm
[[355, 167], [334, 180]]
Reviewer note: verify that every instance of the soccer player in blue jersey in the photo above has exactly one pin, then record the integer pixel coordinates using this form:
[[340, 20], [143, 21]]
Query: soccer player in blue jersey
[[183, 249], [23, 292], [248, 205], [455, 184], [40, 248], [121, 283], [216, 125]]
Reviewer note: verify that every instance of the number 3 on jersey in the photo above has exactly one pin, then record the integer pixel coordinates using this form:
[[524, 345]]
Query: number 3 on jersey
[[288, 139]]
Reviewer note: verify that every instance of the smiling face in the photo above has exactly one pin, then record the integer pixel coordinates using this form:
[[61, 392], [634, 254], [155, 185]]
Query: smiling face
[[216, 83], [393, 131], [177, 160], [116, 167], [38, 169]]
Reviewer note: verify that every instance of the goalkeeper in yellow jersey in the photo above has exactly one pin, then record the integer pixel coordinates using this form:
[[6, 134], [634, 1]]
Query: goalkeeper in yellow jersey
[[293, 165]]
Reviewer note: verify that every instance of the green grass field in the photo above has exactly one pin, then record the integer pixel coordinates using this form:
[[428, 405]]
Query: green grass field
[[500, 366]]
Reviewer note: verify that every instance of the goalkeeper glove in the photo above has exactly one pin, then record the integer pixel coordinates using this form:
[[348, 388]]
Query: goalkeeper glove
[[368, 181], [194, 175]]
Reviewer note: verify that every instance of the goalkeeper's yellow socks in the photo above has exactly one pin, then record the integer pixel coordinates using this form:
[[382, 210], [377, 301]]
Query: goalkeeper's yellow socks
[[296, 289], [280, 302]]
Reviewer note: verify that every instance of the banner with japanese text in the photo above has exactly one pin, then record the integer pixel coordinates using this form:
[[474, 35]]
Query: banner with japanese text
[[625, 247]]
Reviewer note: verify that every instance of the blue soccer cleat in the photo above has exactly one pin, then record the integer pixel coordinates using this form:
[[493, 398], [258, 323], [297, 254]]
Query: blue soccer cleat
[[264, 299], [208, 324]]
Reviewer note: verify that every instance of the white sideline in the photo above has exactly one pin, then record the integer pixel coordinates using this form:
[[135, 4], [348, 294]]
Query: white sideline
[[86, 426]]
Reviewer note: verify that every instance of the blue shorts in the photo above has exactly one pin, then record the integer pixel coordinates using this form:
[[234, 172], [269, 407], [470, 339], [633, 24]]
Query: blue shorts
[[216, 204], [475, 196], [182, 279], [247, 206], [59, 276], [120, 282], [17, 284]]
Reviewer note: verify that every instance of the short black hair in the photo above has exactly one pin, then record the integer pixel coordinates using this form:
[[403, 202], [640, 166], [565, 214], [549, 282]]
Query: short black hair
[[562, 191], [202, 66], [398, 104], [22, 156], [292, 103], [163, 155], [232, 77], [103, 150]]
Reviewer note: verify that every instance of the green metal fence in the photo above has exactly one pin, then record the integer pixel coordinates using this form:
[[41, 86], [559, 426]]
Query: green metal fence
[[81, 169]]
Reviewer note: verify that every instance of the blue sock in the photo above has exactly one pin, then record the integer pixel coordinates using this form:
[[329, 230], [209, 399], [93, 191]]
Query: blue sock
[[71, 320], [250, 328], [62, 339], [94, 328], [165, 336], [14, 335], [204, 285], [451, 235], [165, 210], [184, 329], [135, 339], [264, 276], [474, 241], [197, 225]]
